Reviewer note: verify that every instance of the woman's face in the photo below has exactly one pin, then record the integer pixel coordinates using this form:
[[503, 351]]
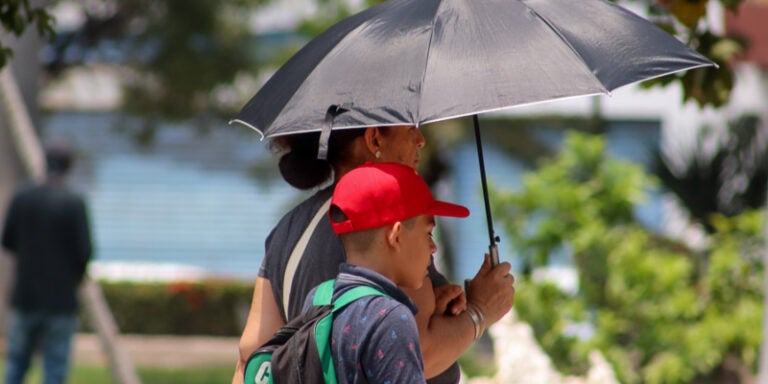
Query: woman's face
[[400, 145]]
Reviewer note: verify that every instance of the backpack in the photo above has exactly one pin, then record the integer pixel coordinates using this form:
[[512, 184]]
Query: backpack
[[300, 351]]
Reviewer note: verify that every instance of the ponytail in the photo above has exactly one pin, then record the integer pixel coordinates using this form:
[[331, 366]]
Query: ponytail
[[300, 166]]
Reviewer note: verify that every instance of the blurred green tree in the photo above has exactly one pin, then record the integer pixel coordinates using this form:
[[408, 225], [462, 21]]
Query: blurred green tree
[[16, 16], [659, 311], [687, 19], [729, 179], [179, 58], [183, 55]]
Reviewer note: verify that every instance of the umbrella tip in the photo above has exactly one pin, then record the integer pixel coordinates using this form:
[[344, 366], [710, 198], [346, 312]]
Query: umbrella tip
[[230, 122]]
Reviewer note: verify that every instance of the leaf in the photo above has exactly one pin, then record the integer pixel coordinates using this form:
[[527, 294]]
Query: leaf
[[732, 5], [5, 54], [660, 312], [688, 12]]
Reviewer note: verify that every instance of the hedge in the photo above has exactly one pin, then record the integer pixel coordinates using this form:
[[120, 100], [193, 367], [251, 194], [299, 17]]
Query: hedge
[[217, 308]]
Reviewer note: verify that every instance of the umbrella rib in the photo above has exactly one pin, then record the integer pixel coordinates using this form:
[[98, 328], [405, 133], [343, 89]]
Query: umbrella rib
[[426, 60], [490, 110], [568, 43], [355, 23]]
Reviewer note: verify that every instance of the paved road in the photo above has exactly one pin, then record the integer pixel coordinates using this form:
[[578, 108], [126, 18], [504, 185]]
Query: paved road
[[162, 351]]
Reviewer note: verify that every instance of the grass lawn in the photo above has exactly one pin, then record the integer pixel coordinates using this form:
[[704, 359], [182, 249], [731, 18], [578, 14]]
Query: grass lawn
[[88, 374], [85, 374], [473, 362]]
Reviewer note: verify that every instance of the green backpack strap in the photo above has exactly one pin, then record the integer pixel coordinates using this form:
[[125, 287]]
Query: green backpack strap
[[324, 293], [324, 326], [354, 294]]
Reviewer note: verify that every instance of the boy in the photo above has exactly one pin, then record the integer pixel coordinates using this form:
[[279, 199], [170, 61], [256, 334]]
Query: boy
[[384, 215]]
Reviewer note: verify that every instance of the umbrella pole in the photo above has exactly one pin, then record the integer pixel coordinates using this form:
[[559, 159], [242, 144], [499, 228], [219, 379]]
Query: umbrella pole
[[493, 249]]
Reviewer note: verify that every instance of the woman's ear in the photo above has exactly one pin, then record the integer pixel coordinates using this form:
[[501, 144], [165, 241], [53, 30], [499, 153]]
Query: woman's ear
[[372, 139]]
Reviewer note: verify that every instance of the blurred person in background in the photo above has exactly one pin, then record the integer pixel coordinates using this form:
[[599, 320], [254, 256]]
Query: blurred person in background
[[48, 234]]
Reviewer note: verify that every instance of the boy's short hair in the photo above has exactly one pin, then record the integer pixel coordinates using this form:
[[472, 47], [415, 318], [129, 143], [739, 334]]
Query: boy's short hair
[[378, 194], [361, 241]]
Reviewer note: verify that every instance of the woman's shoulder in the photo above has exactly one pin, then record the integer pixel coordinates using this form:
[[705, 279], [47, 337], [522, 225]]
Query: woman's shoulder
[[311, 204], [299, 216]]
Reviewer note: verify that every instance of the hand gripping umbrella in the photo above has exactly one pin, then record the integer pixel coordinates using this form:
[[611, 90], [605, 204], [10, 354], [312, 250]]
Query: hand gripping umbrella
[[413, 62]]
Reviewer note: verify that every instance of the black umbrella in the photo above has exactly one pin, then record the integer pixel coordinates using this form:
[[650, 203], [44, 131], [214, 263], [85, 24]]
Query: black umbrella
[[413, 62]]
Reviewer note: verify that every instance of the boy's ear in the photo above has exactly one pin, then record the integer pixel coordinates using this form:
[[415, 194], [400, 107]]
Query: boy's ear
[[393, 236]]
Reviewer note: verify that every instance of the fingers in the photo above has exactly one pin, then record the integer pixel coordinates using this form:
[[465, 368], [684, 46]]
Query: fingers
[[502, 269], [445, 296], [459, 304], [492, 290], [485, 267], [447, 292]]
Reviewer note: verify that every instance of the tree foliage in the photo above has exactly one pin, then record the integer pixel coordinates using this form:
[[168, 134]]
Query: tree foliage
[[16, 16], [729, 179], [659, 311], [184, 54], [687, 19], [181, 56]]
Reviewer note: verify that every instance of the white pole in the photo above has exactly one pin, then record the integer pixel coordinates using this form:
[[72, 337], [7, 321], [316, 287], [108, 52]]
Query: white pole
[[100, 318], [24, 136]]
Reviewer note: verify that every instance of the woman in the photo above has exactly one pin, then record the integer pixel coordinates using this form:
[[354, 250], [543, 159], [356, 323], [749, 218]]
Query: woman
[[298, 258]]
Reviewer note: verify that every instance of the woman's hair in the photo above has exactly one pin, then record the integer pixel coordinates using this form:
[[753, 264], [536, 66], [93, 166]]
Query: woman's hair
[[300, 166]]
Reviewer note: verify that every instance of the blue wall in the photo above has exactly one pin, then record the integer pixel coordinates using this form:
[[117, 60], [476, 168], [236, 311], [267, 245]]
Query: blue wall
[[186, 199], [189, 199]]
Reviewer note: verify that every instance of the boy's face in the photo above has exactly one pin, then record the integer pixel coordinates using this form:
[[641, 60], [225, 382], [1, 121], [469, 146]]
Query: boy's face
[[417, 249]]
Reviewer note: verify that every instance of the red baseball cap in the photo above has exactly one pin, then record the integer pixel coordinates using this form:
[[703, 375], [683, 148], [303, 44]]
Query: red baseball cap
[[378, 194]]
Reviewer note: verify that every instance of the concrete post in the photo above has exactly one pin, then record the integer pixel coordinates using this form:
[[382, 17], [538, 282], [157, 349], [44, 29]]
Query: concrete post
[[100, 318]]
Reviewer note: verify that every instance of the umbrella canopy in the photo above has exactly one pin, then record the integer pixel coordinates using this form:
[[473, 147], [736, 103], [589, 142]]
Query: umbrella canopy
[[419, 61], [412, 62]]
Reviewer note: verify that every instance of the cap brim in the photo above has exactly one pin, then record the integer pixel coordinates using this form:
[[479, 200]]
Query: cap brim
[[442, 208]]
